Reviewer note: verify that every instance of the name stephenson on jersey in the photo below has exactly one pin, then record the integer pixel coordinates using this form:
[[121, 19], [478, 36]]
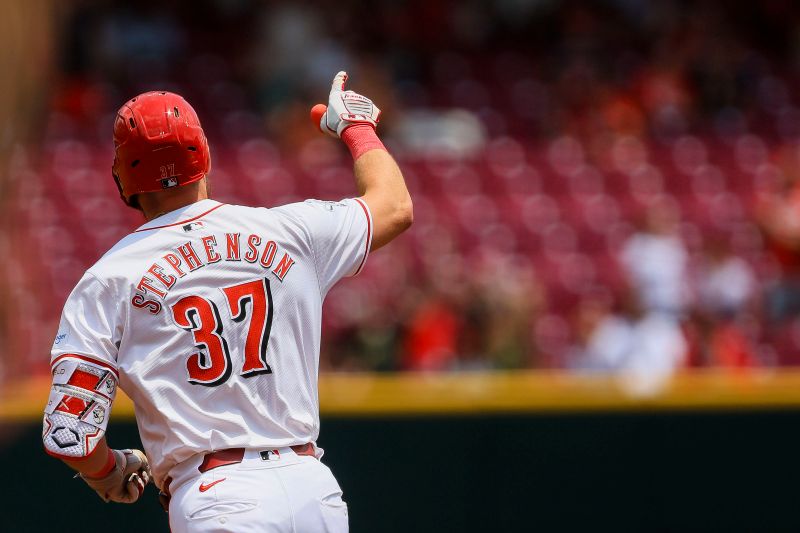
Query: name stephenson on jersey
[[211, 317], [184, 259]]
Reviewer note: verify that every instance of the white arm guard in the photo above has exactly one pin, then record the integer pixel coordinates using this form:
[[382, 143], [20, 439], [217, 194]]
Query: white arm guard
[[80, 401]]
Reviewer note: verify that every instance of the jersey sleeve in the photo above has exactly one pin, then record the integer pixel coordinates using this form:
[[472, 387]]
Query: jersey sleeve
[[84, 369], [340, 234], [89, 324]]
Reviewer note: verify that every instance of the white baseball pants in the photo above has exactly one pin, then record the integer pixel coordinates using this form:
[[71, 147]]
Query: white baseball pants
[[267, 492]]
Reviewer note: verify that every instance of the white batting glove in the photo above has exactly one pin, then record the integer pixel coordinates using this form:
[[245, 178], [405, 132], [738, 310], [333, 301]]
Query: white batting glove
[[126, 482], [346, 108]]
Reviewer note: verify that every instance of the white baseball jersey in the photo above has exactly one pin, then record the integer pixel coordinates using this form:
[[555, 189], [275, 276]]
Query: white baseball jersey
[[210, 316]]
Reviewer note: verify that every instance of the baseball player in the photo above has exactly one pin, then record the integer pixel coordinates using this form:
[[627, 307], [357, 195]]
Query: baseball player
[[208, 316]]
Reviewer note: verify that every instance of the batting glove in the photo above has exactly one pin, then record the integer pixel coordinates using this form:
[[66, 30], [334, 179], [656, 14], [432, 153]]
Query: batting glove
[[346, 108], [126, 482]]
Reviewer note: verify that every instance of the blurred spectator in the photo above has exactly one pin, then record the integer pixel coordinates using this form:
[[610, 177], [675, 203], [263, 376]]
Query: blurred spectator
[[370, 344], [472, 346], [729, 346], [431, 341], [721, 324], [599, 331], [778, 214], [655, 261], [726, 284], [635, 340], [507, 300]]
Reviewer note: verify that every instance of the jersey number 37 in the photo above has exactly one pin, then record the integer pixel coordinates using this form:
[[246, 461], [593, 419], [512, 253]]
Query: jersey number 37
[[211, 365]]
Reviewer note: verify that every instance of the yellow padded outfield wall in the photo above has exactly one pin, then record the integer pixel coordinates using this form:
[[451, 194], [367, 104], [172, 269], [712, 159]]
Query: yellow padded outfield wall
[[502, 392]]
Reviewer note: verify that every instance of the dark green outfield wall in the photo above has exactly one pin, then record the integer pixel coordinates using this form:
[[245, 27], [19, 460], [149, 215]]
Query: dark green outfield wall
[[616, 472]]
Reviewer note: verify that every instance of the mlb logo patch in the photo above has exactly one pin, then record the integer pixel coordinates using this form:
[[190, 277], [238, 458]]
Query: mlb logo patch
[[270, 455], [170, 182], [192, 226]]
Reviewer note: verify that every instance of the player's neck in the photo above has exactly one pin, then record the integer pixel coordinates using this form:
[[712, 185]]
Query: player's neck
[[156, 204]]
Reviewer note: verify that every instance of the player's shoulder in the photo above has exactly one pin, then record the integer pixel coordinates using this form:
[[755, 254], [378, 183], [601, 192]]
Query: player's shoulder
[[119, 261], [111, 266], [312, 208], [285, 214], [276, 213]]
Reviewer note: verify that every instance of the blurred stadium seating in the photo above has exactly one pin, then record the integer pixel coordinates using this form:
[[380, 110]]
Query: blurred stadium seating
[[509, 204], [534, 141]]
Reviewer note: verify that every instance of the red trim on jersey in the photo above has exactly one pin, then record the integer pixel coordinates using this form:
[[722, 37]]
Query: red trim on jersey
[[182, 221], [369, 236], [85, 358]]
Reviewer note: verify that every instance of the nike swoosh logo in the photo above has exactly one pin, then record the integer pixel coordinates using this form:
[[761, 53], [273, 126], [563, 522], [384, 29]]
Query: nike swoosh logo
[[204, 487]]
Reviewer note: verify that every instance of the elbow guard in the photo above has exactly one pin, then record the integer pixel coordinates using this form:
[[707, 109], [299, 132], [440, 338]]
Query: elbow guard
[[76, 414]]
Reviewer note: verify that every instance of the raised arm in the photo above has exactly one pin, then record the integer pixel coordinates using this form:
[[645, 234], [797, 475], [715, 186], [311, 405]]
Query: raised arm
[[353, 118], [383, 189]]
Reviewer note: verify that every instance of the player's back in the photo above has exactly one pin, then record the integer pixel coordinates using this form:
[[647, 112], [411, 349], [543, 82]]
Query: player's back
[[217, 313]]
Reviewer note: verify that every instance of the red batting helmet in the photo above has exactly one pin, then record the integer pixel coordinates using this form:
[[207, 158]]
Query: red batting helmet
[[158, 144]]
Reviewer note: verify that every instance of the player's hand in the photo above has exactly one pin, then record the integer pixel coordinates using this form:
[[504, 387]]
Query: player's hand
[[345, 108], [126, 482]]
